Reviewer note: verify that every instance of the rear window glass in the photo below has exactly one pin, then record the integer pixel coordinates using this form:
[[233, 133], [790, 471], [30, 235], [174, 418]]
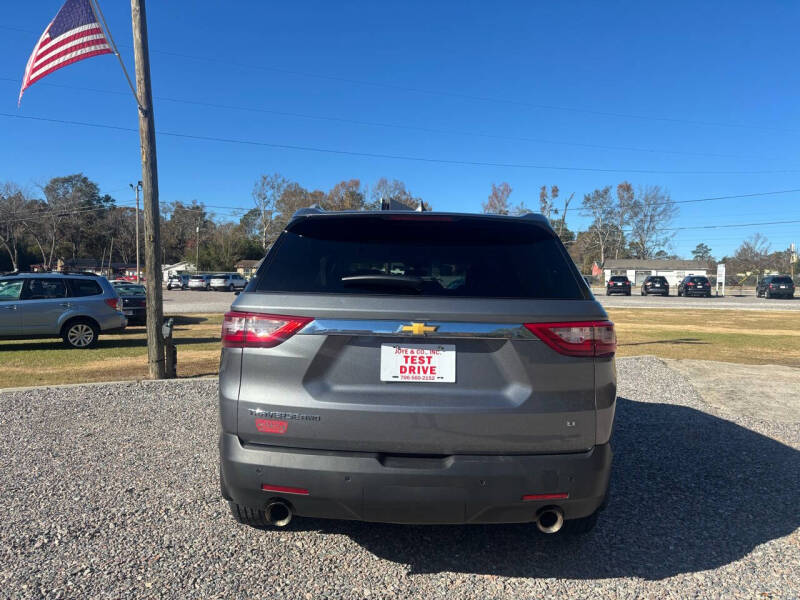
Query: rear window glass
[[658, 279], [783, 280], [84, 287], [427, 256], [619, 278], [43, 289], [698, 279]]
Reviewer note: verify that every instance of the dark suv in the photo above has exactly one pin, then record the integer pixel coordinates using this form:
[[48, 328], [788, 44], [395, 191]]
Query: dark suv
[[775, 286], [655, 284], [694, 285], [417, 368], [618, 284]]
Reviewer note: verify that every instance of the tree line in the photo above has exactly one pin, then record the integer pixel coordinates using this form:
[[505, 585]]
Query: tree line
[[69, 218]]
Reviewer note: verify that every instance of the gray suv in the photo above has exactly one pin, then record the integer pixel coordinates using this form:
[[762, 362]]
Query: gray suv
[[76, 308], [417, 368]]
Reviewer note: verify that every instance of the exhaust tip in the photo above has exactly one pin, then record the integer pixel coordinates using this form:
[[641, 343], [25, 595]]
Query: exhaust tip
[[278, 513], [550, 520]]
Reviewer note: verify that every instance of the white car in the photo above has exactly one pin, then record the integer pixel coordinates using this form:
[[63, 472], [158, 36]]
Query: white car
[[230, 282]]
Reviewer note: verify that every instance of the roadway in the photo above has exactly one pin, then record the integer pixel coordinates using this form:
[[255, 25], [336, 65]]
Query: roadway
[[188, 302]]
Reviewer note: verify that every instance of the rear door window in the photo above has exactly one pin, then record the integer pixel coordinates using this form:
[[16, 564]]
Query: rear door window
[[84, 287], [427, 256], [43, 289]]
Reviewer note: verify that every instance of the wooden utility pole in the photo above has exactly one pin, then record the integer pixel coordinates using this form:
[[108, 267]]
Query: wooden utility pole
[[152, 220]]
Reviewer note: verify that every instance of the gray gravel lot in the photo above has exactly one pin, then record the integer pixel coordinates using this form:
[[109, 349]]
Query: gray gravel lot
[[187, 302], [111, 491]]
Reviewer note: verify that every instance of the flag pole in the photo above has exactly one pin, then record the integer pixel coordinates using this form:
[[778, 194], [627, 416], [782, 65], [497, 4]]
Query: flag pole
[[152, 220], [98, 14]]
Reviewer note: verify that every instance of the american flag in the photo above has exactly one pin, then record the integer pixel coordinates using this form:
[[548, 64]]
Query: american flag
[[73, 35]]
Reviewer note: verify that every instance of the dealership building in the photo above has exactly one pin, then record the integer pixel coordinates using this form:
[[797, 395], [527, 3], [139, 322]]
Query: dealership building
[[638, 270]]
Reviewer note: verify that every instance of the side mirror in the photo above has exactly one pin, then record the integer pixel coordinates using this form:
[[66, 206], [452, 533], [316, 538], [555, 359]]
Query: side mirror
[[236, 293]]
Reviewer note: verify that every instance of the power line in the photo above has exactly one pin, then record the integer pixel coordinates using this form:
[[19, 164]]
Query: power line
[[584, 212], [449, 94], [395, 125], [429, 160]]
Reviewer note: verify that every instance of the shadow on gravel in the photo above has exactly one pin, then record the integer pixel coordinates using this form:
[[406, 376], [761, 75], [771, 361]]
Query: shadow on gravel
[[689, 492]]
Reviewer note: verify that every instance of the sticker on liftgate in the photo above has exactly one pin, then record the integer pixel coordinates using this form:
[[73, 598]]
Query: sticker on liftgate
[[431, 363], [271, 426]]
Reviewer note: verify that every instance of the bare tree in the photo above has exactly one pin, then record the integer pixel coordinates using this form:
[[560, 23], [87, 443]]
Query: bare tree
[[753, 256], [652, 211], [600, 206], [393, 190], [266, 193], [13, 211], [547, 201], [497, 203], [625, 198]]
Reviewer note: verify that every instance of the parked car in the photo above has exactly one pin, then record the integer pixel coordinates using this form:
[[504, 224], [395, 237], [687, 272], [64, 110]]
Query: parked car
[[178, 281], [134, 301], [618, 284], [75, 307], [655, 284], [228, 281], [199, 282], [775, 286], [365, 377], [694, 285]]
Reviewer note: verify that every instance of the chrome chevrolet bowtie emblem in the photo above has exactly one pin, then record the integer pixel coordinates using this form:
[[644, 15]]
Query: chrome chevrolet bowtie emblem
[[418, 328]]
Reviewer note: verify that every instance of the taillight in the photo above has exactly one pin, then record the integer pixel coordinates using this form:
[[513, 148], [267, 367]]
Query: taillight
[[585, 338], [256, 330], [114, 303]]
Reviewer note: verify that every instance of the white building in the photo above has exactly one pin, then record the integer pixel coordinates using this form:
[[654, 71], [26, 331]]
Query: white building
[[637, 270], [182, 267]]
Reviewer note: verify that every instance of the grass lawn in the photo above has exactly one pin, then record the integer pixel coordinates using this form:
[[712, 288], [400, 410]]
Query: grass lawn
[[117, 356], [749, 337]]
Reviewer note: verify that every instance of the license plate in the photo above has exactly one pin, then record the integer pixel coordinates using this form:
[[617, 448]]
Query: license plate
[[783, 287], [431, 363], [656, 285], [127, 313]]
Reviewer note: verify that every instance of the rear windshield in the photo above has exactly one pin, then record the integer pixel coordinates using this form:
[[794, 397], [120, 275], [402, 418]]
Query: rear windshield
[[783, 280], [619, 278], [657, 279], [698, 279], [427, 256]]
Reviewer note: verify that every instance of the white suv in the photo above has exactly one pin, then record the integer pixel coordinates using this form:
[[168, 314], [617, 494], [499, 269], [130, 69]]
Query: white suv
[[228, 281]]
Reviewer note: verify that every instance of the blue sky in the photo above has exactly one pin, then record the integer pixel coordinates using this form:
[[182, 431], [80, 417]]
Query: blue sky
[[626, 86]]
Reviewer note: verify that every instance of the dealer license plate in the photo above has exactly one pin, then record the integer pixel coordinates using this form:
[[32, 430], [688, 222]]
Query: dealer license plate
[[431, 363]]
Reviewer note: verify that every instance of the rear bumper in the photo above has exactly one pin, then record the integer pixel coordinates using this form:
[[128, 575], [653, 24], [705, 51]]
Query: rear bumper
[[398, 489]]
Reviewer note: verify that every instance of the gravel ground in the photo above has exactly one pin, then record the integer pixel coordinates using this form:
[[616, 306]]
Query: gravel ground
[[111, 491]]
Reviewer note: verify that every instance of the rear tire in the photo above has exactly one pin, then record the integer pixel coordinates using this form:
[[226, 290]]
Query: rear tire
[[230, 288], [80, 334], [581, 526], [248, 516]]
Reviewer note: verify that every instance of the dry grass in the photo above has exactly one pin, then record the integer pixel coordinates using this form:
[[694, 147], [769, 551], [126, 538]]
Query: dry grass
[[116, 357], [748, 337]]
